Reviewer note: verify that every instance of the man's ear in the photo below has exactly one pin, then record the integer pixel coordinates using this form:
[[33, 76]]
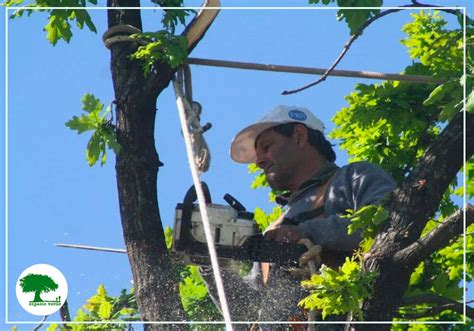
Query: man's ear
[[300, 135]]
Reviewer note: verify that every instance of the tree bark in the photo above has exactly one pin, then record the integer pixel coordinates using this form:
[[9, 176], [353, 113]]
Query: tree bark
[[156, 286], [412, 203]]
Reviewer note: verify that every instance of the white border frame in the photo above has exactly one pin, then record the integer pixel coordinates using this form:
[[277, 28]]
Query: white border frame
[[7, 9]]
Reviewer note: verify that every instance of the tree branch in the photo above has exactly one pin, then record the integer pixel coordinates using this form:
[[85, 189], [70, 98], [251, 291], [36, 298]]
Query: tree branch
[[357, 34], [435, 239], [161, 76], [198, 27], [442, 303]]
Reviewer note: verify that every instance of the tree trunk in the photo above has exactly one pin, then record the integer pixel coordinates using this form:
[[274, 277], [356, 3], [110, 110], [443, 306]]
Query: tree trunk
[[37, 296], [413, 202], [156, 286]]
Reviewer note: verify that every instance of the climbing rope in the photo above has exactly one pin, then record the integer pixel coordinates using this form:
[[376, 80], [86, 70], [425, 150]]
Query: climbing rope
[[193, 110], [121, 33], [185, 110], [311, 258]]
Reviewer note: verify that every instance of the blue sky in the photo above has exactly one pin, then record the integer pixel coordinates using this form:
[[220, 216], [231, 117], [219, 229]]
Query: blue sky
[[55, 197]]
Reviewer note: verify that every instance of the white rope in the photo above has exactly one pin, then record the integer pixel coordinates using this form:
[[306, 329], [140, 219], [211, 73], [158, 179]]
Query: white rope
[[202, 204]]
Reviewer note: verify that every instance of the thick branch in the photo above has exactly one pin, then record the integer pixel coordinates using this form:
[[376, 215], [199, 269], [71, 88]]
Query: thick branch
[[442, 304], [196, 29], [356, 35], [435, 239]]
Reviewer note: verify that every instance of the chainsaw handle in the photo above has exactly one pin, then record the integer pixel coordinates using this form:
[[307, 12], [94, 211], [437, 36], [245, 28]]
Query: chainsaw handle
[[191, 195], [187, 210], [233, 202]]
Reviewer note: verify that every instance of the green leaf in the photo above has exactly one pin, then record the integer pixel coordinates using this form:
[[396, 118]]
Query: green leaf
[[58, 28], [439, 92], [162, 47], [91, 104], [103, 136], [10, 3], [53, 327], [339, 291], [81, 124], [168, 237], [449, 110], [105, 309], [93, 149]]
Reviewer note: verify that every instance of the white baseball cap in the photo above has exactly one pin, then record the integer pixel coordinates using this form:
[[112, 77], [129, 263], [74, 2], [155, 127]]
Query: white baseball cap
[[242, 148]]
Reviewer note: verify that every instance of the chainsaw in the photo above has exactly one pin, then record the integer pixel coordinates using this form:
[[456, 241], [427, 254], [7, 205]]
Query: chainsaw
[[235, 234]]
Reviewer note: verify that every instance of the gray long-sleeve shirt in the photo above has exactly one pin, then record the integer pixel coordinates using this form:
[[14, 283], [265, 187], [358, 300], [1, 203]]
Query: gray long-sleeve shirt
[[351, 187]]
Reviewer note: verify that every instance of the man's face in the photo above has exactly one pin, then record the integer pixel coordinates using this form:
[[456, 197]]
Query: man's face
[[276, 155]]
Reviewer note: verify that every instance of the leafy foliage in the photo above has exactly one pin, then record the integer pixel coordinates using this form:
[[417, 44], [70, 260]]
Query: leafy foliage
[[173, 17], [195, 298], [102, 307], [263, 219], [103, 135], [367, 219], [163, 47], [59, 20], [336, 292], [392, 124]]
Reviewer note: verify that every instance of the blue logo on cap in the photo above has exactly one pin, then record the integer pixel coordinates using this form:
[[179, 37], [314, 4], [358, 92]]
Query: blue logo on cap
[[297, 115]]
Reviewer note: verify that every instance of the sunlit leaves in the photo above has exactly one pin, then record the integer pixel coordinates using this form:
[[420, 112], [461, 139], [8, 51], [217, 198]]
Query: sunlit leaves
[[194, 297], [367, 220], [173, 17], [168, 237], [104, 308], [336, 292], [387, 124], [59, 20], [437, 48], [95, 120], [355, 18], [162, 47], [263, 219]]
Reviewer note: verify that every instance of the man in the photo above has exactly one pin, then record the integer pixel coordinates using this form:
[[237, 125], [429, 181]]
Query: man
[[288, 144]]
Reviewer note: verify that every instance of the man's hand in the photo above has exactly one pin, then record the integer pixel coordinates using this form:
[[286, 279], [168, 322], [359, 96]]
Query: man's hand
[[284, 234]]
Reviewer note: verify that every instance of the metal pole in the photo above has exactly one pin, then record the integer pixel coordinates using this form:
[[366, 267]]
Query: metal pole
[[315, 71], [92, 248]]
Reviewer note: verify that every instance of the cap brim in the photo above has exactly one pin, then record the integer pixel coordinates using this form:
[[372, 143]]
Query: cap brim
[[242, 148]]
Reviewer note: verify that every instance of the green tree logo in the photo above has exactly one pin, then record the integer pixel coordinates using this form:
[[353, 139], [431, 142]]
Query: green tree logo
[[48, 285], [38, 284]]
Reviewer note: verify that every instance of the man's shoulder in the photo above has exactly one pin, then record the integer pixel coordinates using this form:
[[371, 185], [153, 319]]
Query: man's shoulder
[[360, 167]]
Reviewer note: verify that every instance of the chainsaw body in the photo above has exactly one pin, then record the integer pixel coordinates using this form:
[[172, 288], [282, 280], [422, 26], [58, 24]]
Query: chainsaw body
[[234, 231]]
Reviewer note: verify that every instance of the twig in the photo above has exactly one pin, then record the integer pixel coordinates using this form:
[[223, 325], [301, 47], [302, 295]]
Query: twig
[[357, 34], [65, 315], [443, 304], [41, 323]]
